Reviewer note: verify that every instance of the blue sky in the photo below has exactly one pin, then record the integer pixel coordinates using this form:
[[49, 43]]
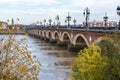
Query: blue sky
[[31, 11]]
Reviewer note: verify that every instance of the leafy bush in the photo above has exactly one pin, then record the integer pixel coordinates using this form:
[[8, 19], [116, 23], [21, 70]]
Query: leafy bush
[[16, 63], [111, 49], [89, 65], [101, 62]]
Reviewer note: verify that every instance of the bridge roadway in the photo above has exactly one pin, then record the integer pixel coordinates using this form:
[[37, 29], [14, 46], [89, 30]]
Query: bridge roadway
[[74, 39]]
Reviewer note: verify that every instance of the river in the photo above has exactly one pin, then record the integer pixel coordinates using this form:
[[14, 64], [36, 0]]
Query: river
[[56, 62]]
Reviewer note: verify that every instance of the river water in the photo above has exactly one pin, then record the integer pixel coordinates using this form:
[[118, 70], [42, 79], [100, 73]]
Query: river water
[[56, 62]]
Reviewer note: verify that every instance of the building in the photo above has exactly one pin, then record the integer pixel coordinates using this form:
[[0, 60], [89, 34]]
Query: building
[[3, 25], [101, 24]]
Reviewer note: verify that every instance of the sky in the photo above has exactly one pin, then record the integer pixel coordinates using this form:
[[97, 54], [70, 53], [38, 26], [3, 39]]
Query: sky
[[31, 11]]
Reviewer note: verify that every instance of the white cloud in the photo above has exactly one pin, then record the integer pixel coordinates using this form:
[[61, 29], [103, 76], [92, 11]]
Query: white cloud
[[30, 16], [75, 7], [29, 2]]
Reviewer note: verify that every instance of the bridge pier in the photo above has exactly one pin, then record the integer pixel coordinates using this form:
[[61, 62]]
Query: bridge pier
[[75, 48], [42, 38], [53, 41], [34, 35], [46, 39], [62, 44]]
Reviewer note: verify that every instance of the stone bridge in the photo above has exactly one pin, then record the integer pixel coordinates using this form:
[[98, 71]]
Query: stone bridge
[[74, 39]]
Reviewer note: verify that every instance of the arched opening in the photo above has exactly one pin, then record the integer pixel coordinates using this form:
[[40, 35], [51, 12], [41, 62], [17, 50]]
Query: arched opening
[[80, 41], [49, 35], [44, 34], [80, 44], [56, 36], [66, 38], [41, 34]]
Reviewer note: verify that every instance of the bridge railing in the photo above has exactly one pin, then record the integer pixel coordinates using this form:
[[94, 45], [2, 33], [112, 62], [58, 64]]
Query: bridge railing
[[105, 29]]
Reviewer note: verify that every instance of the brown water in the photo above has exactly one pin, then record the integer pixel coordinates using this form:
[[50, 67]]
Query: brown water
[[56, 62]]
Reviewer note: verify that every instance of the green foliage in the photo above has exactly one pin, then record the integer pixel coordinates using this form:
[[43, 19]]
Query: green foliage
[[111, 49], [99, 63], [16, 63], [89, 65]]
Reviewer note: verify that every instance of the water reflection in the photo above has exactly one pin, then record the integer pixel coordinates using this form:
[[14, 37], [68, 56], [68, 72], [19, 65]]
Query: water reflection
[[56, 62]]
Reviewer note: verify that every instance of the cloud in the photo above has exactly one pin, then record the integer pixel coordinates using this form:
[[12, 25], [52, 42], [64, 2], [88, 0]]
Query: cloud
[[30, 16], [40, 9], [29, 2]]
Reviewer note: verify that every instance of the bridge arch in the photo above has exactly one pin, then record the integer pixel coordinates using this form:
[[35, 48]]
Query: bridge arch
[[41, 33], [56, 35], [101, 39], [80, 39], [44, 34], [65, 37], [49, 34]]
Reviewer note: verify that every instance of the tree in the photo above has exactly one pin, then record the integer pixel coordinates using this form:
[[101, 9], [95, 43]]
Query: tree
[[89, 65], [16, 62], [111, 49]]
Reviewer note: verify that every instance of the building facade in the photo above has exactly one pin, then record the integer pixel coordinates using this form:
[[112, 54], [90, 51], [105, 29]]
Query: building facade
[[101, 24], [3, 25]]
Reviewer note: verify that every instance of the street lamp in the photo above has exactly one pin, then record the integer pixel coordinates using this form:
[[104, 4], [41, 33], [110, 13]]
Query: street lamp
[[37, 23], [57, 19], [8, 24], [65, 22], [105, 18], [12, 23], [68, 18], [118, 13], [50, 21], [74, 21], [86, 14], [41, 23], [44, 22]]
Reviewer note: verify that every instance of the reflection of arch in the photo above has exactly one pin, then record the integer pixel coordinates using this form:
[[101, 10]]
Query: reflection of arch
[[56, 35], [80, 39], [65, 36]]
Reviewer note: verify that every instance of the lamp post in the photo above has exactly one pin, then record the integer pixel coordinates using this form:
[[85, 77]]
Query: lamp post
[[12, 23], [86, 14], [57, 19], [105, 18], [50, 21], [37, 23], [68, 18], [41, 23], [8, 24], [65, 22], [118, 13], [44, 22], [74, 21]]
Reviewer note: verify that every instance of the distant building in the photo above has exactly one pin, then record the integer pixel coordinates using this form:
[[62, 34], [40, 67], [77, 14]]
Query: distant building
[[3, 25], [101, 24]]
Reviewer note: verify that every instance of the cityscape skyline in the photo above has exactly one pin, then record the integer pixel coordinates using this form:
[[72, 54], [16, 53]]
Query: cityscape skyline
[[30, 11]]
